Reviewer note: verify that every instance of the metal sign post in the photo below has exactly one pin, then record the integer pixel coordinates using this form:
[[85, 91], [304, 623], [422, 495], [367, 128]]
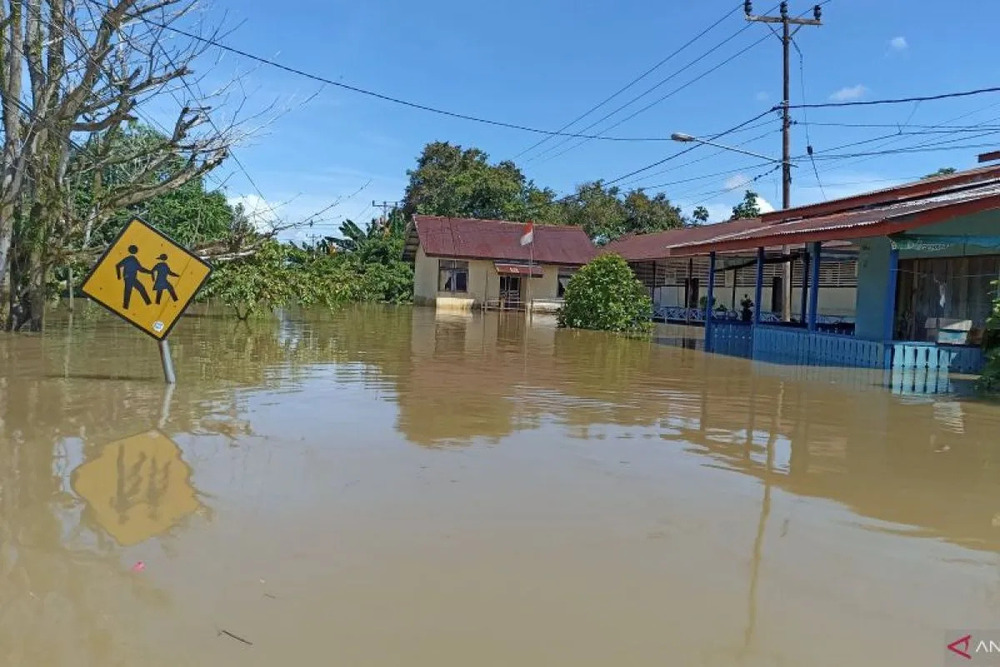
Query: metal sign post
[[167, 361]]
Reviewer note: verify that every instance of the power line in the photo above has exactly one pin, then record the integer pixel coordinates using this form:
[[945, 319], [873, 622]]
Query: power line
[[701, 178], [371, 93], [709, 195], [649, 90], [943, 124], [805, 116], [711, 155], [631, 83], [936, 129], [688, 149], [898, 100], [661, 99]]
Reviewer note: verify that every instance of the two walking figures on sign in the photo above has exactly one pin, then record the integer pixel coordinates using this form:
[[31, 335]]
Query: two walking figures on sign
[[129, 269]]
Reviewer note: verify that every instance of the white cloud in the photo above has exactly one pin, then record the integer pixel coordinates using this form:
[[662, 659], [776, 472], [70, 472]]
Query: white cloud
[[849, 93], [898, 43], [737, 181], [762, 96], [764, 205], [259, 212]]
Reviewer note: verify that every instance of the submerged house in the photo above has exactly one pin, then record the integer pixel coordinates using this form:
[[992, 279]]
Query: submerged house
[[678, 284], [927, 253], [462, 263]]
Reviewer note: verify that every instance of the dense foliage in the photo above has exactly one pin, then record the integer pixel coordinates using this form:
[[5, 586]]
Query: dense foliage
[[989, 381], [359, 266], [606, 295], [748, 208], [451, 181]]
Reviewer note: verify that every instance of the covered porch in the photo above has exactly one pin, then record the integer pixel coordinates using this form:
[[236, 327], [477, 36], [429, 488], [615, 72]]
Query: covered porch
[[928, 258]]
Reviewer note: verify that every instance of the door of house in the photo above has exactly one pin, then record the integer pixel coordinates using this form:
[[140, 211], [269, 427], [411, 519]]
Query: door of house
[[510, 289]]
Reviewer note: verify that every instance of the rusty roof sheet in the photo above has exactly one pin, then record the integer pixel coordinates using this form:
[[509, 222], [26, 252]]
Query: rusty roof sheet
[[854, 224], [923, 188], [500, 240], [647, 247]]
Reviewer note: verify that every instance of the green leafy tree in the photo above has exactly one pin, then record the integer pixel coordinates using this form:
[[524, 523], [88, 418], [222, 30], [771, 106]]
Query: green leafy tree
[[748, 208], [453, 181], [700, 215], [598, 210], [373, 256], [606, 295], [989, 380], [260, 281], [606, 213], [645, 214], [944, 171]]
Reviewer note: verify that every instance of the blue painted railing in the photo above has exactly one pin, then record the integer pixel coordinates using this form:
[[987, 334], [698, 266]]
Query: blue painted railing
[[795, 346], [920, 381], [697, 316], [909, 367], [929, 356], [732, 338]]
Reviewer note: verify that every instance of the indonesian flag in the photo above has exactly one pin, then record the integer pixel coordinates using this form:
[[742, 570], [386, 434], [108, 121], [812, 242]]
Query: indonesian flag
[[529, 234]]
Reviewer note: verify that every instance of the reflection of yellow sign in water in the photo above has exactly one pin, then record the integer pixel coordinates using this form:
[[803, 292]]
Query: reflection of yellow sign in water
[[137, 487], [146, 278]]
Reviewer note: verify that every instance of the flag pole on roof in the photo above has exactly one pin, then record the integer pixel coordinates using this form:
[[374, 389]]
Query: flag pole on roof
[[528, 239]]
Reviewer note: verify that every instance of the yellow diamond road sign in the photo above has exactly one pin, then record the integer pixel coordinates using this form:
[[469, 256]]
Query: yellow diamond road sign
[[146, 279]]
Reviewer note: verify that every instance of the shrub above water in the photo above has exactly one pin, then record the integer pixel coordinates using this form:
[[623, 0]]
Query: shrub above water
[[606, 295]]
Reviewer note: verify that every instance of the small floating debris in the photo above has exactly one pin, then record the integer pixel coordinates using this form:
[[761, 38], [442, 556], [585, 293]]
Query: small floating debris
[[236, 637], [139, 566]]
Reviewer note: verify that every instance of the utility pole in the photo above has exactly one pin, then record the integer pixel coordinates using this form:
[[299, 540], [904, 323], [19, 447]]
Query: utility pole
[[385, 206], [786, 125]]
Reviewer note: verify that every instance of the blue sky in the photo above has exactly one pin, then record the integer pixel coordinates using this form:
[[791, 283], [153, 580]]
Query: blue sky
[[544, 62]]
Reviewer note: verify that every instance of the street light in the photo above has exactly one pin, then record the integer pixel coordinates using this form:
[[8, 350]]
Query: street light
[[687, 138]]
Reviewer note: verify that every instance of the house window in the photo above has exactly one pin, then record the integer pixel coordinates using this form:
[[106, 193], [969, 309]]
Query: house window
[[453, 275], [955, 289], [564, 277]]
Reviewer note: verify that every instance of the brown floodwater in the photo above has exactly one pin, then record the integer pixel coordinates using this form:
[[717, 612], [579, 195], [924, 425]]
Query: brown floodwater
[[400, 487]]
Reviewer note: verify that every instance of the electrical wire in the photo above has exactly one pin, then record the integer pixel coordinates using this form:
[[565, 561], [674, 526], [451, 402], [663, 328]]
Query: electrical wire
[[658, 100], [899, 100], [705, 176], [631, 83], [706, 196], [688, 149], [370, 93], [943, 124], [805, 117], [682, 165]]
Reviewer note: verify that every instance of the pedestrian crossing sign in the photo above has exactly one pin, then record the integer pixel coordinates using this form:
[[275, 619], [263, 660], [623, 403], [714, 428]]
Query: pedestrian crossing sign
[[146, 278]]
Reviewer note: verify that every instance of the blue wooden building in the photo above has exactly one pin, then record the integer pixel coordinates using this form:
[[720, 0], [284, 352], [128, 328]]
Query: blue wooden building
[[928, 254]]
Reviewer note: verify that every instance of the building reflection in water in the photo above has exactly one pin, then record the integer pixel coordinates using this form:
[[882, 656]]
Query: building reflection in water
[[828, 433]]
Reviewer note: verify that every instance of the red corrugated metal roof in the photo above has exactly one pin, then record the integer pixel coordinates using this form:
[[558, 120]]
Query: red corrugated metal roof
[[647, 247], [500, 240], [875, 221], [926, 187]]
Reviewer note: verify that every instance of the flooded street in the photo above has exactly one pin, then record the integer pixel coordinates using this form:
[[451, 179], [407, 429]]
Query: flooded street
[[398, 487]]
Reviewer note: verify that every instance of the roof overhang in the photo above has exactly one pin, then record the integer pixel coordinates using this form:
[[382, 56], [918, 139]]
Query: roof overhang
[[879, 223], [512, 269], [927, 187]]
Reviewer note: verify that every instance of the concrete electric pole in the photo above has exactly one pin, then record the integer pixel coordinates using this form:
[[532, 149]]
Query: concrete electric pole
[[786, 124]]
